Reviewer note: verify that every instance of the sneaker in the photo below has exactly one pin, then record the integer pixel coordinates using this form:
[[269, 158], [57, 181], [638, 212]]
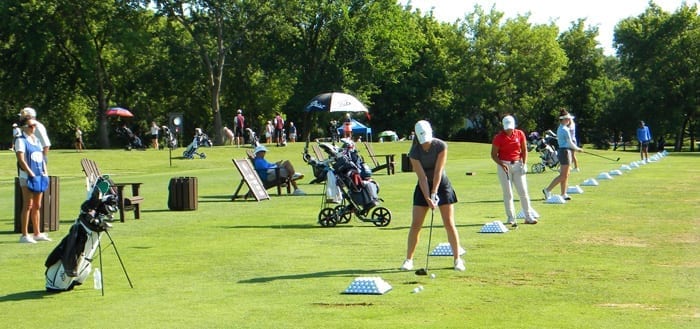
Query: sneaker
[[407, 265], [531, 221], [297, 176], [459, 265], [42, 237], [575, 170], [26, 239], [546, 194], [298, 192], [566, 197]]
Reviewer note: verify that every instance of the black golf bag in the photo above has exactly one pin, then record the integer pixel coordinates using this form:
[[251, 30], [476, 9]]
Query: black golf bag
[[70, 263], [169, 138], [130, 139], [353, 177]]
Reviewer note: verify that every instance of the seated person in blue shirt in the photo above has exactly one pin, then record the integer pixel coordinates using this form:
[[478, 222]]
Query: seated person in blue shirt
[[266, 170]]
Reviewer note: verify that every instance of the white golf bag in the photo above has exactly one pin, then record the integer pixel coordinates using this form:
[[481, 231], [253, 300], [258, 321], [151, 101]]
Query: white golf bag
[[70, 263]]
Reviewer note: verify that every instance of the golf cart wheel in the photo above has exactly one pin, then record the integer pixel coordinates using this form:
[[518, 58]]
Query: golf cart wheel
[[327, 217], [538, 168], [343, 215], [381, 216], [203, 156]]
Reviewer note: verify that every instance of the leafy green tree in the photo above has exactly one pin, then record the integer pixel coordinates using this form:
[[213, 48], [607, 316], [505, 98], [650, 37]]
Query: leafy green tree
[[583, 87], [659, 52]]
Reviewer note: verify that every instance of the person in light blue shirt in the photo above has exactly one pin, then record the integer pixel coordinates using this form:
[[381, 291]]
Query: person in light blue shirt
[[566, 149], [644, 137], [266, 170]]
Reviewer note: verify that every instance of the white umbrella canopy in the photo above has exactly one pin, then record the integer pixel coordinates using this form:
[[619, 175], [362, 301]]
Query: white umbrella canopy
[[335, 102]]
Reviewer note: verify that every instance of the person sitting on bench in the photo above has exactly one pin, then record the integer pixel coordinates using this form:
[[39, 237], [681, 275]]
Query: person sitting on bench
[[266, 170]]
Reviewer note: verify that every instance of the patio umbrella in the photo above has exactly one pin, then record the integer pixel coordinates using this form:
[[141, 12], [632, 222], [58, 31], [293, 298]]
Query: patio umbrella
[[335, 102], [119, 112]]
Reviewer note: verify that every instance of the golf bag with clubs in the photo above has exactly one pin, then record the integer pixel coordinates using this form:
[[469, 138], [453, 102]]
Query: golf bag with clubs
[[252, 137], [547, 147], [191, 149], [70, 263], [169, 136]]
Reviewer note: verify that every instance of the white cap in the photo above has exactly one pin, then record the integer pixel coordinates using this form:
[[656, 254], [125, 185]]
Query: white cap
[[239, 111], [424, 132], [260, 148], [27, 111], [566, 116], [508, 122]]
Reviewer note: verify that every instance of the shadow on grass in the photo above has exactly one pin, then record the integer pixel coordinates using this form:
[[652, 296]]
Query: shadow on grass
[[284, 227], [339, 273], [26, 295]]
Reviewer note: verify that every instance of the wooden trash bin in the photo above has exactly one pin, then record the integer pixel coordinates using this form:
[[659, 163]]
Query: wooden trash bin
[[182, 193], [405, 163], [48, 218]]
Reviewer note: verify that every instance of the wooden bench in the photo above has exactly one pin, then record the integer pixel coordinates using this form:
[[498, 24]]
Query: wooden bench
[[126, 203], [279, 182], [318, 153], [388, 160]]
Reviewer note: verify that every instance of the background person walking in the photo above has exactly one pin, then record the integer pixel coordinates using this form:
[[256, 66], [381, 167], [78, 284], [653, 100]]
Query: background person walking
[[155, 130], [428, 157], [238, 128], [78, 139], [509, 152], [644, 137]]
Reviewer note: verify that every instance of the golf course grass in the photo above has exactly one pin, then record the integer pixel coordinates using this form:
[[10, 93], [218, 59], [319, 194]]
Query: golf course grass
[[624, 254]]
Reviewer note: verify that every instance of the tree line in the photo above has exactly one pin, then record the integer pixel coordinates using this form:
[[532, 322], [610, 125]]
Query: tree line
[[73, 59]]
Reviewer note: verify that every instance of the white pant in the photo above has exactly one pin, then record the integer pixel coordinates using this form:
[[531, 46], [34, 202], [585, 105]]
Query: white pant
[[515, 176]]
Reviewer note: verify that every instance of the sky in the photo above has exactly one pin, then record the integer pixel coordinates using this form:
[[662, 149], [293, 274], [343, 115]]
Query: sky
[[604, 14]]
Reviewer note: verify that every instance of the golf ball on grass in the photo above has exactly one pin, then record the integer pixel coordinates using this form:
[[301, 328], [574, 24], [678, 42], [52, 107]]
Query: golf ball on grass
[[432, 275]]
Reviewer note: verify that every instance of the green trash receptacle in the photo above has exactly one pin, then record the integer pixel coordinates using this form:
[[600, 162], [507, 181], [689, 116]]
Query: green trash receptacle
[[405, 163], [48, 218]]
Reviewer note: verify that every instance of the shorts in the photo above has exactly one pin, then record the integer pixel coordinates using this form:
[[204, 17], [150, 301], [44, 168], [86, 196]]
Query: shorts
[[272, 175], [564, 156], [645, 144], [445, 192], [238, 132], [22, 182]]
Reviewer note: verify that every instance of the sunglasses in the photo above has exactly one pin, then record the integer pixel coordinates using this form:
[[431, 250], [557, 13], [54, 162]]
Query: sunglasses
[[31, 126]]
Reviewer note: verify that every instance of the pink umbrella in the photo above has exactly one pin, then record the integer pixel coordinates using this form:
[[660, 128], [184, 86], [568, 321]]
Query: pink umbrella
[[119, 112]]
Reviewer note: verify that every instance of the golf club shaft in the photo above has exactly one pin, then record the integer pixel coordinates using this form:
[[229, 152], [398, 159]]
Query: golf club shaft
[[600, 156], [430, 238]]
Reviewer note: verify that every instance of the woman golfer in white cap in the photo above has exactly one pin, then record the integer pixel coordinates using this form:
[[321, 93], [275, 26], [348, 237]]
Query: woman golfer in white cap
[[428, 157], [566, 149]]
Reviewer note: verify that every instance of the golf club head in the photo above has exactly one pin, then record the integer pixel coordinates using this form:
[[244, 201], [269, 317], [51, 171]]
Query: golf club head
[[421, 271]]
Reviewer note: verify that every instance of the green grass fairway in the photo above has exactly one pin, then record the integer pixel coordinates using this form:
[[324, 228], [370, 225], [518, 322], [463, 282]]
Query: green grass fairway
[[623, 254]]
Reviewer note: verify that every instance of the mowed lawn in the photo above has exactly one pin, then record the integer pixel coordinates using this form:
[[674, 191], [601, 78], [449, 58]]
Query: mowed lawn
[[623, 254]]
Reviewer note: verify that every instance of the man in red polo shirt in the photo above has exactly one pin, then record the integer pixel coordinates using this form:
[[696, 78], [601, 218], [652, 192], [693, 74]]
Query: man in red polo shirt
[[509, 152]]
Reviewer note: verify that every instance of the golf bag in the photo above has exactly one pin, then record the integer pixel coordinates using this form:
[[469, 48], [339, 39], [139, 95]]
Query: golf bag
[[203, 140], [131, 141], [353, 177], [547, 148], [191, 150], [252, 137], [169, 137], [70, 263]]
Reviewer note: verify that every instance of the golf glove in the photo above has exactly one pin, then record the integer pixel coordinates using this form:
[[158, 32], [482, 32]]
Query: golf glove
[[434, 198], [524, 169]]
